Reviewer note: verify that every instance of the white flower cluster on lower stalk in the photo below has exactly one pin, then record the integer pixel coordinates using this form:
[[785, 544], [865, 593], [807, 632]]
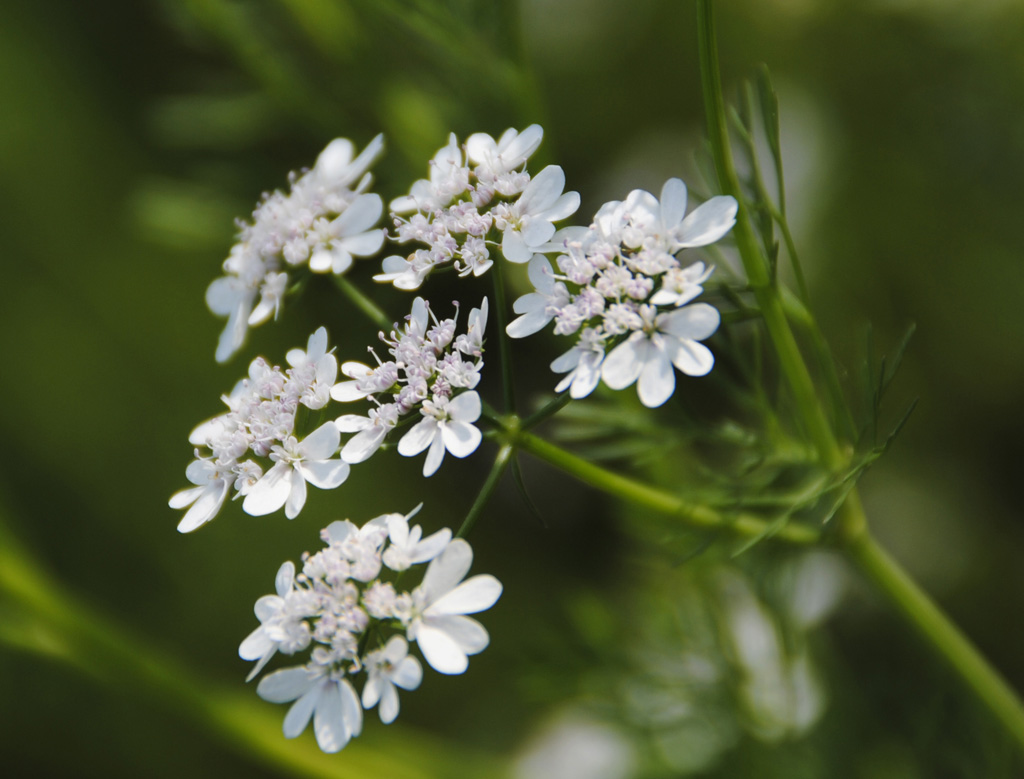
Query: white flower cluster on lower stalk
[[431, 369], [261, 422], [351, 619], [324, 221], [619, 286], [478, 195]]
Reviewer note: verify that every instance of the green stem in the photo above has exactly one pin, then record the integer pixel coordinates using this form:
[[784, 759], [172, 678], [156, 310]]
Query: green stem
[[501, 462], [851, 524], [696, 516], [504, 342], [372, 311], [792, 363], [937, 629]]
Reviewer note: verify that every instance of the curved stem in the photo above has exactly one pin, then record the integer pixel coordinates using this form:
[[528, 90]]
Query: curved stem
[[792, 362], [937, 629], [698, 517], [501, 462]]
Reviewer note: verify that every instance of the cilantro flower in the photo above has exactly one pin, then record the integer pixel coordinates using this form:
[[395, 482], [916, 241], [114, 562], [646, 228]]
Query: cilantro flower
[[439, 624]]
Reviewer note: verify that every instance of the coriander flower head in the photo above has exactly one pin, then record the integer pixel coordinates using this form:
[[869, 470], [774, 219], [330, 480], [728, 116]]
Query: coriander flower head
[[622, 290], [344, 614]]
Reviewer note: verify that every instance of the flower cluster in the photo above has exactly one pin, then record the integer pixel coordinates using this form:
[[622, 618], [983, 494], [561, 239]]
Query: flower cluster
[[339, 605], [431, 369], [261, 421], [619, 286], [325, 220], [477, 195]]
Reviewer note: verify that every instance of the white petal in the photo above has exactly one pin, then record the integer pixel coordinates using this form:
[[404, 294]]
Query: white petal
[[372, 690], [435, 456], [690, 357], [321, 261], [657, 379], [298, 715], [322, 443], [297, 497], [362, 446], [270, 492], [418, 438], [543, 190], [389, 704], [562, 208], [359, 216], [408, 674], [325, 474], [350, 708], [255, 645], [588, 374], [285, 685], [285, 578], [329, 725], [673, 203], [352, 423], [461, 438], [441, 651], [473, 595], [695, 322], [465, 407], [363, 244], [514, 247], [623, 365], [468, 634], [447, 570], [708, 222], [431, 546], [528, 324]]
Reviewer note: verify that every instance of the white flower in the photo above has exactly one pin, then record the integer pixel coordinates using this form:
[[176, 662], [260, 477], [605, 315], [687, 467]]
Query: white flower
[[387, 668], [527, 223], [583, 364], [446, 425], [666, 340], [332, 703], [494, 158], [336, 168], [438, 624], [370, 432], [540, 307], [231, 297], [206, 498], [282, 622], [316, 368], [448, 178], [406, 273], [681, 285], [298, 462], [350, 235], [407, 548]]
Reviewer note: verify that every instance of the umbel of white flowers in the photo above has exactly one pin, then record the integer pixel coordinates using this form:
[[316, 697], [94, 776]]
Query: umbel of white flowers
[[432, 371], [341, 604], [620, 286]]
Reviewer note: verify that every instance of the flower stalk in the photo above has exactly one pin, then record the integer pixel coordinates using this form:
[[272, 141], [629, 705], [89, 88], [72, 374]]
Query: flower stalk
[[853, 535]]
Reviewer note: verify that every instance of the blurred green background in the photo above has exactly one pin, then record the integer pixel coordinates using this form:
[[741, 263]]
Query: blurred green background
[[133, 133]]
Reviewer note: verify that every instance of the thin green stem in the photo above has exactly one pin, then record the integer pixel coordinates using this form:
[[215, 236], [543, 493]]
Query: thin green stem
[[937, 629], [851, 524], [501, 462], [792, 362], [696, 516], [548, 410], [504, 343], [372, 311]]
